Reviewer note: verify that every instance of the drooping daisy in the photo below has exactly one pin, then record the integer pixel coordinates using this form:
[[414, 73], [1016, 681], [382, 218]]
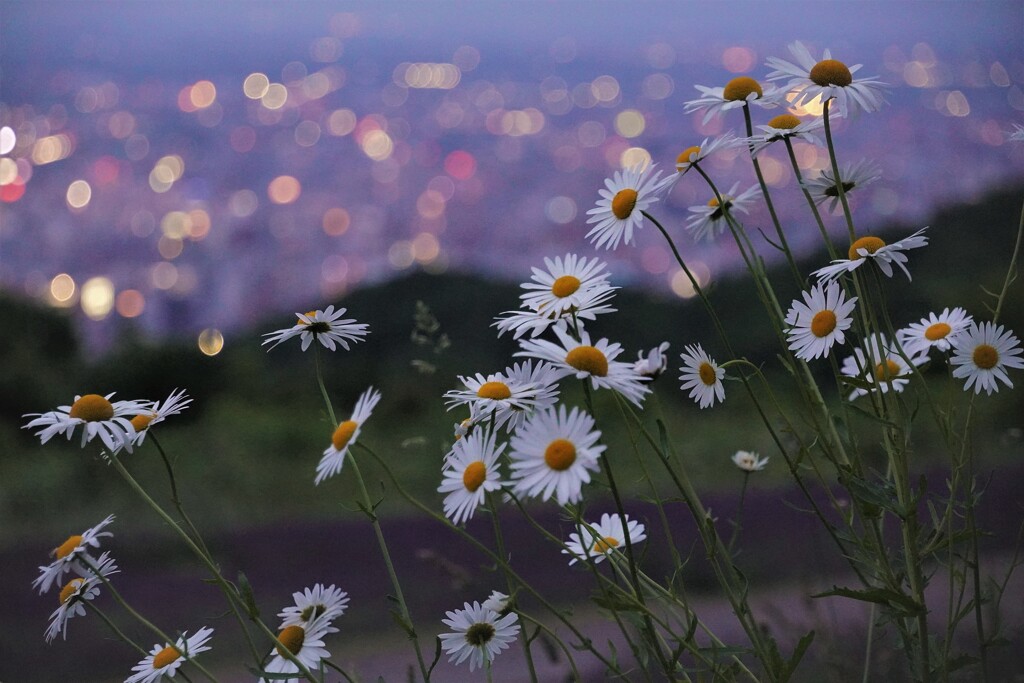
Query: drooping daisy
[[709, 220], [748, 461], [98, 416], [314, 603], [824, 188], [828, 78], [629, 192], [819, 320], [305, 642], [470, 471], [982, 353], [76, 592], [345, 434], [879, 363], [691, 156], [69, 555], [1017, 134], [654, 363], [741, 91], [786, 127], [498, 602], [935, 331], [554, 454], [702, 376], [585, 360], [478, 635], [157, 413], [876, 250], [602, 538], [324, 326], [507, 398], [167, 658]]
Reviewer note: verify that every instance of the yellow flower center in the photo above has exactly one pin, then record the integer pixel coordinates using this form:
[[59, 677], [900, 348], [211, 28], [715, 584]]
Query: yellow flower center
[[784, 122], [718, 212], [823, 323], [69, 589], [308, 314], [831, 72], [141, 422], [292, 638], [67, 547], [683, 160], [623, 203], [92, 408], [494, 390], [588, 359], [871, 244], [166, 656], [605, 544], [887, 370], [474, 475], [560, 454], [937, 331], [479, 634], [740, 87], [985, 356], [343, 434], [707, 374], [565, 285]]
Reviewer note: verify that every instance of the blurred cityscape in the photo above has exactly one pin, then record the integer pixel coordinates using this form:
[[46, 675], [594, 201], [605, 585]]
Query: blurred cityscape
[[189, 170]]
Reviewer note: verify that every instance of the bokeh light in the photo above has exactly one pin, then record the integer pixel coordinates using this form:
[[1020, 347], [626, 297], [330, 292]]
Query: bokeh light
[[97, 297], [211, 341]]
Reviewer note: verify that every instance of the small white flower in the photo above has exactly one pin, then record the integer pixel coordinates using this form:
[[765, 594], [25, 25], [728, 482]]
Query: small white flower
[[306, 643], [313, 604], [824, 188], [702, 376], [567, 285], [819, 321], [874, 249], [507, 398], [741, 91], [345, 434], [748, 461], [158, 412], [982, 353], [602, 538], [880, 364], [76, 592], [70, 555], [498, 602], [324, 326], [628, 193], [935, 331], [829, 79], [654, 363], [470, 471], [709, 220], [167, 658], [786, 127], [479, 634], [98, 416]]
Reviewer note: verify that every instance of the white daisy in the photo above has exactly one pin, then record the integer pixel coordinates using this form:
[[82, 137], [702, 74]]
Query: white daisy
[[708, 220], [702, 376], [479, 634], [935, 331], [602, 538], [1017, 134], [584, 360], [470, 471], [654, 363], [498, 602], [786, 127], [157, 413], [819, 321], [824, 188], [345, 434], [876, 250], [314, 603], [323, 326], [110, 421], [305, 642], [69, 555], [741, 91], [629, 192], [76, 592], [554, 454], [880, 364], [507, 398], [167, 658], [982, 353], [828, 78], [566, 285], [748, 461], [691, 156]]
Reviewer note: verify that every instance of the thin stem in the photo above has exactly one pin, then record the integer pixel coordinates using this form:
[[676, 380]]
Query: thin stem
[[738, 522], [835, 172], [113, 627], [810, 201]]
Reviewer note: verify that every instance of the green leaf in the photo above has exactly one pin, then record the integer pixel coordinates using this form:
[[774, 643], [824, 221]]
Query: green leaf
[[245, 588], [798, 653], [882, 596]]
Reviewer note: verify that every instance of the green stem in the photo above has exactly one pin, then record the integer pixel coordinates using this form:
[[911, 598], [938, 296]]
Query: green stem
[[833, 255], [841, 191], [113, 627]]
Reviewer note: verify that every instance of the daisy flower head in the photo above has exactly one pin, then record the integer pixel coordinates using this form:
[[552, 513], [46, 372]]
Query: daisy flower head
[[554, 454], [818, 322], [602, 538], [874, 249], [586, 360], [829, 79], [470, 471], [691, 156], [70, 555], [507, 398], [498, 602], [478, 634], [880, 364], [709, 220], [305, 642], [654, 363], [627, 194], [982, 353], [345, 434], [166, 659], [1017, 134], [748, 461], [76, 592], [97, 415], [567, 285], [824, 188], [786, 127], [702, 376], [741, 91], [158, 412], [935, 331], [325, 326], [314, 603]]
